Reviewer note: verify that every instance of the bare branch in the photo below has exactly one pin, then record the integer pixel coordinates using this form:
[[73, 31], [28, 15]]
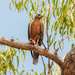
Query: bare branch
[[47, 43], [49, 6], [51, 65], [61, 43], [48, 37], [27, 46], [44, 65], [59, 48], [47, 32], [44, 45]]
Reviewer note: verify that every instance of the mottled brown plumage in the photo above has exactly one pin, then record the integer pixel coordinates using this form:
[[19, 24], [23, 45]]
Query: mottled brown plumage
[[36, 32]]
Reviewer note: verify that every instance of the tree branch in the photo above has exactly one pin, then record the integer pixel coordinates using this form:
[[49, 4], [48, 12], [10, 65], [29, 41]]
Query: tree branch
[[61, 43], [44, 65], [48, 37], [27, 46]]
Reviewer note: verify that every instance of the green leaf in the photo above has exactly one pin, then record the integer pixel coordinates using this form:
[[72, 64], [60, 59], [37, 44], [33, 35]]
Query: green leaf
[[54, 45], [53, 2], [21, 59], [27, 73], [17, 39], [72, 45], [35, 4], [51, 42], [32, 70], [56, 4], [60, 30], [32, 5], [25, 6], [50, 38], [9, 48], [53, 11], [17, 62], [55, 33], [20, 73], [63, 45], [10, 6], [71, 30], [3, 57], [10, 65], [63, 3], [57, 11], [36, 73], [72, 40], [56, 26], [51, 73], [24, 53], [74, 35], [59, 44], [13, 69], [52, 28]]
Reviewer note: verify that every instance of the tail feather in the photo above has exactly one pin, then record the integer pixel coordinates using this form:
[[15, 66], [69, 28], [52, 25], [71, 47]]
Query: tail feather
[[35, 58]]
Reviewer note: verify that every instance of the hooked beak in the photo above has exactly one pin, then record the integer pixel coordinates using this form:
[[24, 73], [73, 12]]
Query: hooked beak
[[42, 16]]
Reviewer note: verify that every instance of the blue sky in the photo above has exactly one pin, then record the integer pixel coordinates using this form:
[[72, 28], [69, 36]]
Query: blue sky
[[15, 24]]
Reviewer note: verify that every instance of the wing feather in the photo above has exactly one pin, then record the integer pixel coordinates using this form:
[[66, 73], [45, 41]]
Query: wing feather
[[41, 34], [42, 31], [29, 35], [29, 31]]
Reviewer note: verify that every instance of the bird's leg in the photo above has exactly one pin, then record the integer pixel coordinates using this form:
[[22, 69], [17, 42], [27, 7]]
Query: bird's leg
[[38, 40], [37, 37]]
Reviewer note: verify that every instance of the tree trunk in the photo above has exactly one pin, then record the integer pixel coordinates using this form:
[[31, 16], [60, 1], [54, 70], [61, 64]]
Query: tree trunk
[[69, 63]]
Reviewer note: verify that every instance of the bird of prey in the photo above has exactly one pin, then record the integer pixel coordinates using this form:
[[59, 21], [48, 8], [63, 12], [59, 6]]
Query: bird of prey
[[36, 34]]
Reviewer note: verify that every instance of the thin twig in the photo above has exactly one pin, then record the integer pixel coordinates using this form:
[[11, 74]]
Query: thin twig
[[47, 32], [61, 43], [44, 45], [47, 43], [44, 65], [51, 65], [49, 6], [59, 48], [48, 37]]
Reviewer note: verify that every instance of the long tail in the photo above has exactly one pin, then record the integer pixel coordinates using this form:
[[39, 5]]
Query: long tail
[[35, 58], [36, 55]]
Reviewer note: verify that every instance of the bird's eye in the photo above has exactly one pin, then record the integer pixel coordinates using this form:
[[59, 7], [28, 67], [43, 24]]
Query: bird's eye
[[39, 14]]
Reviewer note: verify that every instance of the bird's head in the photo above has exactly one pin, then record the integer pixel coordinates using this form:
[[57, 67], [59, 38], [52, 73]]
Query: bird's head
[[38, 16]]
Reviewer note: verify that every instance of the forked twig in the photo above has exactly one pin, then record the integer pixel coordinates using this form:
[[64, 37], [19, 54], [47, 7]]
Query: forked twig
[[47, 32], [44, 65], [44, 45], [61, 43], [48, 37], [59, 46], [47, 44]]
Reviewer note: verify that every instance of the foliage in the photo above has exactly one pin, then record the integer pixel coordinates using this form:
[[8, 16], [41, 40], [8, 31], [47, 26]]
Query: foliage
[[62, 11], [8, 55], [55, 70], [61, 23]]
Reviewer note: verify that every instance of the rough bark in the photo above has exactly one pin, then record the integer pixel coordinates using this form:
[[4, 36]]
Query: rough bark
[[69, 63], [26, 46]]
